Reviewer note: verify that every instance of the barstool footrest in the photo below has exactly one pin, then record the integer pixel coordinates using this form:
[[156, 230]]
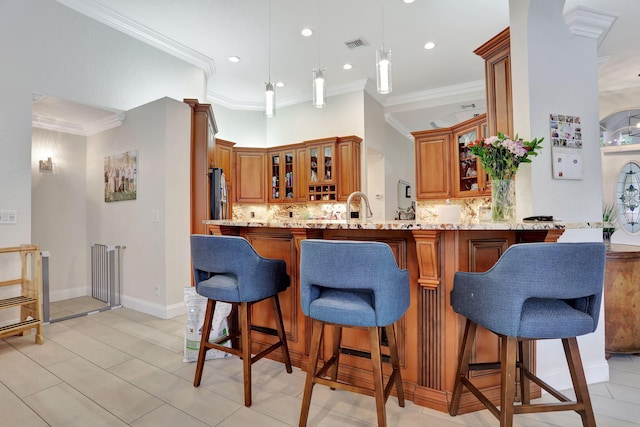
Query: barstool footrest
[[266, 351]]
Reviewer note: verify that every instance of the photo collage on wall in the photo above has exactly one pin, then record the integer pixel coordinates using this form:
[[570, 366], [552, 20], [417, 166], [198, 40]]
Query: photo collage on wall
[[566, 146]]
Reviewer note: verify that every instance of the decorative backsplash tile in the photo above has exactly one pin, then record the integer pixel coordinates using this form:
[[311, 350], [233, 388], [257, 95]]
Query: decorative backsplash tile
[[425, 211]]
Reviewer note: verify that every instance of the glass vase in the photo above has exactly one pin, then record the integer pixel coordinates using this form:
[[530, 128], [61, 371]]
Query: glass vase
[[503, 200]]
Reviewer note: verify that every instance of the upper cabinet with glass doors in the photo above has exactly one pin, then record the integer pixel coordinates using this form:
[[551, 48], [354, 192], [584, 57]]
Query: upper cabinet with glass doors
[[469, 179], [321, 182]]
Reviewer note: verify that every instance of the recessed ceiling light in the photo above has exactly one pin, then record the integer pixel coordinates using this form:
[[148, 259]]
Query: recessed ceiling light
[[234, 59], [429, 45], [347, 66], [408, 1], [279, 84], [306, 32]]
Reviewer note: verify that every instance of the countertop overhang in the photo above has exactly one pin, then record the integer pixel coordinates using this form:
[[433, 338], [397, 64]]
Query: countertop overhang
[[403, 225]]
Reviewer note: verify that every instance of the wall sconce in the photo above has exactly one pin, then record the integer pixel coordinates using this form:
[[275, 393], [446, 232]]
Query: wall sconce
[[46, 165]]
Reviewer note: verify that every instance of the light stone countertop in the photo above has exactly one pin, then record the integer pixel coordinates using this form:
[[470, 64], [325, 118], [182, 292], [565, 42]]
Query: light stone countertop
[[402, 225]]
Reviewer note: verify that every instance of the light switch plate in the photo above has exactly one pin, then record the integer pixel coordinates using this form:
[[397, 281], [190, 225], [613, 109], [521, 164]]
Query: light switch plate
[[8, 217]]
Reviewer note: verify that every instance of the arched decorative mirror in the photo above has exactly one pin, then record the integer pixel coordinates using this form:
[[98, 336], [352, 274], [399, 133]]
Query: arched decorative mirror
[[628, 197]]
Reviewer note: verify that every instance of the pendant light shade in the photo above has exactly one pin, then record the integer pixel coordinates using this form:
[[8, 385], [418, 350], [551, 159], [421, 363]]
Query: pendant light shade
[[269, 100], [383, 61], [383, 70], [318, 87]]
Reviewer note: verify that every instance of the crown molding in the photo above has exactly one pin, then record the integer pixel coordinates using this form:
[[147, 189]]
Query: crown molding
[[56, 125], [218, 99], [113, 19], [391, 120], [592, 23], [437, 93], [86, 129]]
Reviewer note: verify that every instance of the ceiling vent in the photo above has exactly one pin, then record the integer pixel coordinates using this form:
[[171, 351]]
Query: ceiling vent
[[353, 44]]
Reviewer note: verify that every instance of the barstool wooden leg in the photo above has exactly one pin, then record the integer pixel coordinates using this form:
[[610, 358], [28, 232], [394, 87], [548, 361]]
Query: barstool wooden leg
[[245, 324], [508, 350], [572, 353], [378, 385], [281, 333], [395, 363], [204, 340], [337, 340], [525, 365], [463, 365], [314, 352]]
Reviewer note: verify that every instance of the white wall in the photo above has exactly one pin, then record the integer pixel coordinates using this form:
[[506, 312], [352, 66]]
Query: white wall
[[59, 216], [539, 89], [76, 58], [398, 156], [245, 128], [52, 50], [343, 115], [156, 254]]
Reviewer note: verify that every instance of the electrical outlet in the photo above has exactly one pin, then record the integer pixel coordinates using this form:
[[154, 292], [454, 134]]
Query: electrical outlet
[[155, 216], [156, 289]]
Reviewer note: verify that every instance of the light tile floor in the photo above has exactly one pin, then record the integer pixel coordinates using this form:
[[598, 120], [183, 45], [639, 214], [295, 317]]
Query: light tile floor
[[73, 306], [125, 368]]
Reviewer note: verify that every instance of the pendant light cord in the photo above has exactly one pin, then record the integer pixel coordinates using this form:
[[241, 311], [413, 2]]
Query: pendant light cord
[[382, 21], [269, 41], [318, 10]]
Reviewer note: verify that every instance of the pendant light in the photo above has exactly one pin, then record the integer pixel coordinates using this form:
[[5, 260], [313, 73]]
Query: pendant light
[[318, 74], [318, 87], [269, 92], [383, 62]]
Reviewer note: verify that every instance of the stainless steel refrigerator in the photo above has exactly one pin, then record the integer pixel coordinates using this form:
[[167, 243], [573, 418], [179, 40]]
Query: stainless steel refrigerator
[[218, 194]]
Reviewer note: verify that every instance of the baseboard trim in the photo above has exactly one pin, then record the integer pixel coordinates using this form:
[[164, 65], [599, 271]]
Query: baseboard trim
[[157, 310]]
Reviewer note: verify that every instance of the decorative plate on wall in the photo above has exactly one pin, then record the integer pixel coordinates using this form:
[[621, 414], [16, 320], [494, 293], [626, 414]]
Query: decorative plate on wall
[[628, 197]]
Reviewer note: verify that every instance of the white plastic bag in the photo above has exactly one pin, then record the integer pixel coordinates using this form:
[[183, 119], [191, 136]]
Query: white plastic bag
[[196, 308]]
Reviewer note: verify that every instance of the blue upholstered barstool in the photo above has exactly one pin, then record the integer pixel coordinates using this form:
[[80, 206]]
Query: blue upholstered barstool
[[227, 268], [534, 291], [352, 284]]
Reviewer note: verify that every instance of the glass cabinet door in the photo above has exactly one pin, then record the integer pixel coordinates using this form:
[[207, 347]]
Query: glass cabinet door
[[282, 166], [288, 175], [321, 184], [470, 179], [313, 165], [275, 176], [327, 160], [467, 162]]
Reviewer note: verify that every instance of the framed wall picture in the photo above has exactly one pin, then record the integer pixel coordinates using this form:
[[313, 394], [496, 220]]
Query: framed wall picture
[[121, 177]]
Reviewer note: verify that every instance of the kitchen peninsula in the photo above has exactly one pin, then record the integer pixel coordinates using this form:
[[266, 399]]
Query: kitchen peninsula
[[429, 333]]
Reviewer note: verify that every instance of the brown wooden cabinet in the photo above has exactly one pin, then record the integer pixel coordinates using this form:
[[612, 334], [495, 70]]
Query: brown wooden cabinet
[[621, 300], [203, 130], [496, 54], [321, 183], [432, 157], [349, 166], [445, 166], [250, 173], [320, 170], [469, 179]]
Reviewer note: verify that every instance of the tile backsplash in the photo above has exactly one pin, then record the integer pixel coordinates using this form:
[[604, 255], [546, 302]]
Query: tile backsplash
[[426, 211]]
